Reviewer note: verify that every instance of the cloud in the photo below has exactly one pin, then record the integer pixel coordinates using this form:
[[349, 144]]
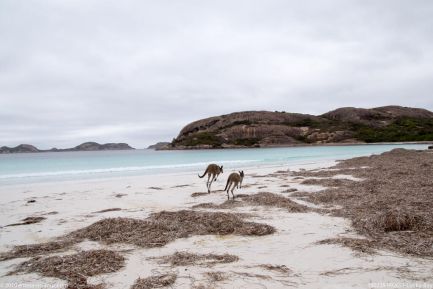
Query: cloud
[[138, 71]]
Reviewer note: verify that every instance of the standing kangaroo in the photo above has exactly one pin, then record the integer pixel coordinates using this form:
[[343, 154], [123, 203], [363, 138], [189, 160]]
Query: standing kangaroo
[[212, 171], [234, 179]]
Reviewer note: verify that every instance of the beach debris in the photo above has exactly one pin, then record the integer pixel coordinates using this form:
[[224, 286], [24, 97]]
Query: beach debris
[[120, 195], [278, 268], [164, 227], [182, 186], [275, 200], [228, 204], [216, 276], [326, 182], [356, 244], [392, 203], [31, 201], [74, 268], [402, 270], [260, 176], [155, 231], [108, 210], [159, 281], [395, 220], [31, 250], [187, 259], [260, 199], [199, 194], [28, 221], [155, 188], [252, 275], [289, 191], [206, 206], [52, 213]]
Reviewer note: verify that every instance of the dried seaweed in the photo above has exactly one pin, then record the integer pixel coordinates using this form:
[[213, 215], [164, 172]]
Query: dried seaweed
[[259, 199], [392, 204], [274, 200], [155, 231], [28, 221], [326, 182], [216, 276], [38, 249], [199, 194], [187, 259], [359, 245], [108, 210], [158, 281], [74, 268], [278, 268]]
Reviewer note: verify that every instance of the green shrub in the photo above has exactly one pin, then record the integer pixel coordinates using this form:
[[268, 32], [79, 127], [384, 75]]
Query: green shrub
[[202, 138], [403, 129], [246, 141]]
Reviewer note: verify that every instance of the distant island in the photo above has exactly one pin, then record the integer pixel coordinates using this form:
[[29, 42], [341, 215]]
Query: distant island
[[87, 146], [343, 125]]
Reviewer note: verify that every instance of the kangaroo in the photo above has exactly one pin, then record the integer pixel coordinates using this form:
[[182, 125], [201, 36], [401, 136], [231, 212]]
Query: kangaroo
[[212, 171], [234, 179]]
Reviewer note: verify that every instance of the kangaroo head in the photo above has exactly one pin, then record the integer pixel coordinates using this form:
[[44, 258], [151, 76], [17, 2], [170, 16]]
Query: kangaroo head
[[221, 169], [241, 173]]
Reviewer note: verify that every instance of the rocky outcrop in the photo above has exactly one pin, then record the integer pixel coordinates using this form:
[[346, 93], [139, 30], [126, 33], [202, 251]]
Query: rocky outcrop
[[87, 146], [343, 125], [379, 116], [159, 146], [93, 146]]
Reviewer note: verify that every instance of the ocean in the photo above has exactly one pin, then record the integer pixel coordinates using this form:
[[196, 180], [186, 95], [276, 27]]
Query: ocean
[[48, 167]]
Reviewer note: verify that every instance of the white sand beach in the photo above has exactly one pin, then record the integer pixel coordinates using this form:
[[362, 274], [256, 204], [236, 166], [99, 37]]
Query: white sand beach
[[288, 258]]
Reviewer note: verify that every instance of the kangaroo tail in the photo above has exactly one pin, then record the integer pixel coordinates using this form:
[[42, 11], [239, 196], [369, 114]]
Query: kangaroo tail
[[205, 172], [227, 184]]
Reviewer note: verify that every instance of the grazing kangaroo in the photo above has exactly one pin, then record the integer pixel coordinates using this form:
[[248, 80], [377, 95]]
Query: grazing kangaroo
[[234, 179], [212, 171]]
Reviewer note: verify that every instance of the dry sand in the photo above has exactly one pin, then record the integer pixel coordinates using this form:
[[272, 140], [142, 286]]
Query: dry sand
[[296, 255]]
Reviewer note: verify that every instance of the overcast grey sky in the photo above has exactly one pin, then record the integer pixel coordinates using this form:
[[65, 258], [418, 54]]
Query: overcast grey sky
[[138, 71]]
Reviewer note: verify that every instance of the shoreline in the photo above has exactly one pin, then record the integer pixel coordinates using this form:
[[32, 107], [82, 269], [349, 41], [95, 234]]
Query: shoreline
[[294, 145], [283, 258], [224, 148]]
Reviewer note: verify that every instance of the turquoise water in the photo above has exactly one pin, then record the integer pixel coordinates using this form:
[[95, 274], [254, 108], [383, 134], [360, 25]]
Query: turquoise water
[[41, 167]]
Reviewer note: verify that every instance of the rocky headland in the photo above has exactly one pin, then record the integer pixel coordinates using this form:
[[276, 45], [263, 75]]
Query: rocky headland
[[279, 128]]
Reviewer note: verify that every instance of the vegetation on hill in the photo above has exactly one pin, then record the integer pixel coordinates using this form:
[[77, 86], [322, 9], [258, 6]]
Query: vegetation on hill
[[343, 125], [402, 129]]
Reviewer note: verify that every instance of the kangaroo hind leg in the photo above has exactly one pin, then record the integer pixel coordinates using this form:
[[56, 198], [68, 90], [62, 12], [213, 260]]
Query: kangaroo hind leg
[[228, 191], [208, 183]]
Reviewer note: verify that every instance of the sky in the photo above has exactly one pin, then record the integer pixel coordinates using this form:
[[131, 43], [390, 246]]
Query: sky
[[138, 71]]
